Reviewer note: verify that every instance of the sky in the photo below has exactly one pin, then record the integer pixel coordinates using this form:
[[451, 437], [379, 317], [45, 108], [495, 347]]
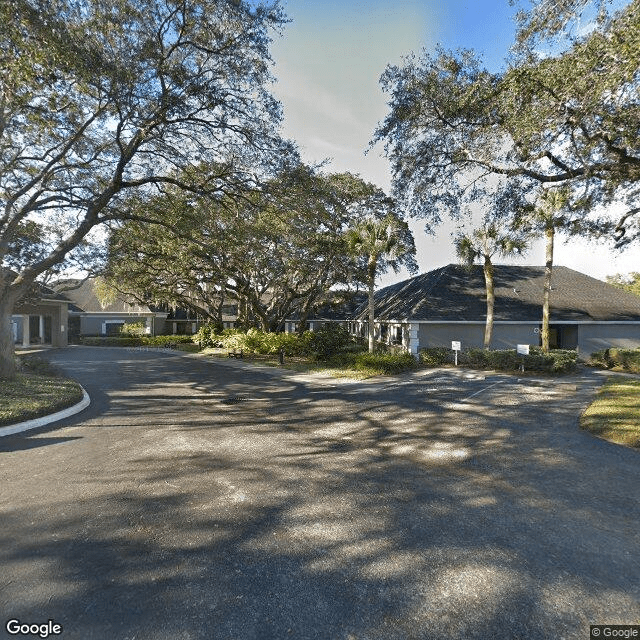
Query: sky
[[328, 63]]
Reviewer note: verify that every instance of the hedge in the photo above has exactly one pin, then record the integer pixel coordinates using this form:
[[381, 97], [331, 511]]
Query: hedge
[[556, 361], [133, 341], [385, 363], [625, 359], [324, 343]]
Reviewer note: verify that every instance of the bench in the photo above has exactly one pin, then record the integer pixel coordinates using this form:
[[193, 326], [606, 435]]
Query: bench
[[234, 354]]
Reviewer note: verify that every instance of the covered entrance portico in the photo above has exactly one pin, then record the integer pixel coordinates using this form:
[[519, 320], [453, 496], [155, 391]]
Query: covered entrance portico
[[31, 330], [42, 322]]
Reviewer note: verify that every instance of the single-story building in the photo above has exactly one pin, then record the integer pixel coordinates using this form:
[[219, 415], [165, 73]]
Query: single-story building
[[41, 318], [339, 308], [91, 316], [449, 304]]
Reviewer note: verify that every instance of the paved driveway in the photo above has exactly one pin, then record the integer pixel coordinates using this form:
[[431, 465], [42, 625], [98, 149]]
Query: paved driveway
[[209, 500]]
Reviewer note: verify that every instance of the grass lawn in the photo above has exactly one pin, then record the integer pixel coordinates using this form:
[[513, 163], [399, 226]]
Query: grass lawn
[[33, 394], [303, 365], [615, 413]]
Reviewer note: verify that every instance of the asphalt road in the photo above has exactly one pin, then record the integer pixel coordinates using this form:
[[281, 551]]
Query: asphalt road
[[211, 500]]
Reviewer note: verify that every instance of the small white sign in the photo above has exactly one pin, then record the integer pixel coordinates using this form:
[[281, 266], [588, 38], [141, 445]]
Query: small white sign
[[523, 349], [455, 345]]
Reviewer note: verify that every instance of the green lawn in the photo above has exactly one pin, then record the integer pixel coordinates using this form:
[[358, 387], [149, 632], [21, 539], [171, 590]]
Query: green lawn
[[615, 413], [32, 395], [304, 365]]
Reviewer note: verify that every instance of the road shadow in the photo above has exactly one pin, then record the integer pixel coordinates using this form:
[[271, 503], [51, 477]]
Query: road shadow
[[325, 511]]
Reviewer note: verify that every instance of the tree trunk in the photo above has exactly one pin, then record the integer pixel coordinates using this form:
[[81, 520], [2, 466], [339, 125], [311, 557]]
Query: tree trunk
[[7, 349], [488, 279], [549, 233], [372, 327]]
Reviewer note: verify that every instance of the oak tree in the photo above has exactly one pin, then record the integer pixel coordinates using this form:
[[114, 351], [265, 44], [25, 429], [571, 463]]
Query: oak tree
[[100, 99]]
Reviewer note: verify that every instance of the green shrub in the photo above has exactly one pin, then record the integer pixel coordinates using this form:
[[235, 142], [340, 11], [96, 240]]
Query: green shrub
[[556, 361], [600, 359], [329, 339], [477, 358], [165, 341], [435, 356], [625, 359], [262, 342], [129, 329], [111, 341], [207, 336], [323, 344], [133, 341], [385, 363]]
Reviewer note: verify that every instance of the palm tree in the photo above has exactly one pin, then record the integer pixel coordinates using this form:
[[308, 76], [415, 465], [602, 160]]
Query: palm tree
[[552, 212], [484, 243], [383, 243]]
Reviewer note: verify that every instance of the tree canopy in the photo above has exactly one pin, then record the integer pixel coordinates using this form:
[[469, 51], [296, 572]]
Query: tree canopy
[[100, 99], [629, 282], [277, 251], [567, 119], [483, 243], [381, 241]]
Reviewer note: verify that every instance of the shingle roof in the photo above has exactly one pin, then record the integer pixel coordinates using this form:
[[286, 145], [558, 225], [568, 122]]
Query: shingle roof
[[455, 292], [340, 306]]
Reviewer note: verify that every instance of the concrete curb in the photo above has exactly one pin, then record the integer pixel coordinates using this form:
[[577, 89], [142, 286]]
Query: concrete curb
[[45, 420]]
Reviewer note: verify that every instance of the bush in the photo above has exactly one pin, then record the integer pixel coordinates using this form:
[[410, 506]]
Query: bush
[[129, 329], [207, 336], [385, 363], [625, 359], [435, 356], [556, 361], [111, 341], [165, 341], [133, 341], [323, 344], [329, 339], [262, 342]]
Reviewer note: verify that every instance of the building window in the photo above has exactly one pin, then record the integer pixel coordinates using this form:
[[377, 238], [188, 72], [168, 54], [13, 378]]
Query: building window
[[229, 309]]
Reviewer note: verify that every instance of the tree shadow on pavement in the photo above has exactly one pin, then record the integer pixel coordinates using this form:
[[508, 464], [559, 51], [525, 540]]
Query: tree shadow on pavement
[[341, 512]]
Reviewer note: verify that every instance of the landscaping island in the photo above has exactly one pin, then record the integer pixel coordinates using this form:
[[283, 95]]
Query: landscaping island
[[38, 390]]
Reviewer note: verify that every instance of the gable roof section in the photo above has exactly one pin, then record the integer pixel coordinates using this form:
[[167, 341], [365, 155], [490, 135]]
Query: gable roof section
[[84, 299], [457, 293]]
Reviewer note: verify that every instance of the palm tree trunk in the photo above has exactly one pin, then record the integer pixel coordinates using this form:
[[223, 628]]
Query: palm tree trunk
[[371, 282], [549, 233], [488, 278]]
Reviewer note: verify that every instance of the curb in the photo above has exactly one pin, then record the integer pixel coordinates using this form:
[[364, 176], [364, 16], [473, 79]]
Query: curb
[[45, 420]]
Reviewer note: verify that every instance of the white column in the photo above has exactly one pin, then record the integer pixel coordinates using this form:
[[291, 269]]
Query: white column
[[413, 339], [26, 338], [41, 329]]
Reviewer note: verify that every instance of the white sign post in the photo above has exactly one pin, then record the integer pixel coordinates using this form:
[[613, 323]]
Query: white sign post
[[455, 345], [523, 350]]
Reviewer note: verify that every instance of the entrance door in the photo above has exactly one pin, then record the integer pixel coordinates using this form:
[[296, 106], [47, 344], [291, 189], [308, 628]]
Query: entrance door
[[562, 336]]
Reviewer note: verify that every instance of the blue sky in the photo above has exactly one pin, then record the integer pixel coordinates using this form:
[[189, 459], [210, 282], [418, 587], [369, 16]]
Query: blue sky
[[328, 64]]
